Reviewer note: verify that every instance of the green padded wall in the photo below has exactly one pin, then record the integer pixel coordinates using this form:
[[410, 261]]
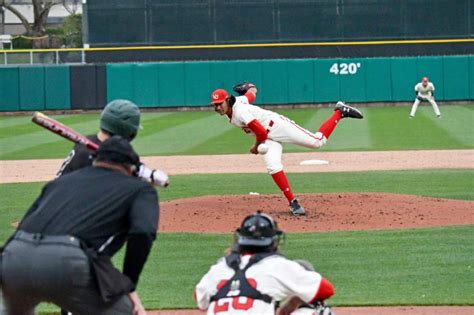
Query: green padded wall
[[326, 83], [9, 89], [301, 81], [378, 79], [456, 77], [146, 84], [279, 81], [404, 77], [274, 88], [171, 84], [197, 83], [32, 94], [120, 82], [57, 87], [471, 77]]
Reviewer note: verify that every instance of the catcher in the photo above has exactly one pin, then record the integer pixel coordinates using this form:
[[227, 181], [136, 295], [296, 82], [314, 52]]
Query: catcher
[[271, 130], [254, 278]]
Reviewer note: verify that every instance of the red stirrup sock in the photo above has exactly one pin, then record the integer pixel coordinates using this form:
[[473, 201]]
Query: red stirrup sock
[[282, 182], [328, 126]]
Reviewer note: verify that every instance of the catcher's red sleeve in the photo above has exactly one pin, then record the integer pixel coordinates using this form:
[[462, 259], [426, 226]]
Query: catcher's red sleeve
[[250, 96], [258, 130], [325, 291]]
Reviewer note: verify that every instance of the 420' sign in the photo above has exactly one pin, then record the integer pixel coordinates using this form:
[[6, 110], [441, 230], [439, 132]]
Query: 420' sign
[[344, 68]]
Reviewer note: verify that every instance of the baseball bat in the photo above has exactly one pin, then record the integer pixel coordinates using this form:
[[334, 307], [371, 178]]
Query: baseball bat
[[62, 130]]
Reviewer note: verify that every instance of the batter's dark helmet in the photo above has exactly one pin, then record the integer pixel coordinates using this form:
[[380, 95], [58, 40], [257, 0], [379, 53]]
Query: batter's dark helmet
[[121, 117], [258, 229]]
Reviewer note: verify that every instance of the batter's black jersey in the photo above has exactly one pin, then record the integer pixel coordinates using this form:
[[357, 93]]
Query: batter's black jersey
[[103, 208], [79, 157]]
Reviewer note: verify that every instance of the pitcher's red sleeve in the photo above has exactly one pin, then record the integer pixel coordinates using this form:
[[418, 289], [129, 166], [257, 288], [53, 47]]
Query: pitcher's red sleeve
[[258, 130], [325, 291], [250, 96]]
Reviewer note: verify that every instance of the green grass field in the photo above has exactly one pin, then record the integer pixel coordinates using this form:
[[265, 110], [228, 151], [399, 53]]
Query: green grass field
[[183, 133], [431, 266]]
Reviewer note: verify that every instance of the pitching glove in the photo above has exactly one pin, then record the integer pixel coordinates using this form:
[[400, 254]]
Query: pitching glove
[[155, 177], [242, 88]]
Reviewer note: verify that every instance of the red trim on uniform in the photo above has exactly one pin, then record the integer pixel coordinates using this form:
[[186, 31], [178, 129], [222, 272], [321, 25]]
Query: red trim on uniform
[[325, 291], [282, 182], [302, 129], [328, 126], [250, 96], [258, 130]]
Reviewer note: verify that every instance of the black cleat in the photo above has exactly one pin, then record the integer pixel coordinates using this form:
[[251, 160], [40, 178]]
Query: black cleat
[[296, 209], [348, 111]]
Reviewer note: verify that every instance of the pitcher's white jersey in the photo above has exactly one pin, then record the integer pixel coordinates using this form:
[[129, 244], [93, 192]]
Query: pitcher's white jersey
[[425, 91], [279, 128], [275, 276], [243, 112]]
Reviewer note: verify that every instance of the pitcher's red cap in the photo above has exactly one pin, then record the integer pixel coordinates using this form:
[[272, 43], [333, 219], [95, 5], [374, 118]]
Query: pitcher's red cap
[[219, 96]]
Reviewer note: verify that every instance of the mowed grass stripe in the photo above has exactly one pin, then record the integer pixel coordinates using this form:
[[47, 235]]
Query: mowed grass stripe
[[27, 126], [182, 137], [457, 121], [391, 129], [41, 137]]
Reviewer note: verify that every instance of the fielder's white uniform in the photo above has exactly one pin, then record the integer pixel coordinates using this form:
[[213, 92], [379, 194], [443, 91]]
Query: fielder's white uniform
[[276, 276], [427, 94], [280, 130]]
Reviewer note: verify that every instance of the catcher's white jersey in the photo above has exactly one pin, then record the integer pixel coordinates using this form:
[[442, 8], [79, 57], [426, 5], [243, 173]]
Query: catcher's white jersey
[[425, 91], [276, 276]]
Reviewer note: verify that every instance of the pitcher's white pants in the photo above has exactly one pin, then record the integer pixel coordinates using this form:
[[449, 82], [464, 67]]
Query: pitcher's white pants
[[285, 130], [432, 102]]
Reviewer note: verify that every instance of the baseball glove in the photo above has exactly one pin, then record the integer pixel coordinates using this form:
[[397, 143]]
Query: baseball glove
[[242, 88]]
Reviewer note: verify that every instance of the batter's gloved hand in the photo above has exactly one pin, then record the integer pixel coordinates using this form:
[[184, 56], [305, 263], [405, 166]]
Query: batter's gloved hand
[[155, 177], [242, 88]]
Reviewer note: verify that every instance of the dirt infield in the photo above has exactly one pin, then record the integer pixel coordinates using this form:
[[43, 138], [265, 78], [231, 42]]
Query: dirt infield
[[44, 170], [326, 212]]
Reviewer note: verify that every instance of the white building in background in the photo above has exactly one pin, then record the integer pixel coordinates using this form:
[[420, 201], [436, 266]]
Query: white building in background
[[11, 25]]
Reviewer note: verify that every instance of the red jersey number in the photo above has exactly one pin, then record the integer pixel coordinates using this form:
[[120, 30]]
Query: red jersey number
[[238, 303]]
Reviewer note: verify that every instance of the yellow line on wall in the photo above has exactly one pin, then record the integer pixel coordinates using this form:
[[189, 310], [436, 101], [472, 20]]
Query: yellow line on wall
[[224, 46]]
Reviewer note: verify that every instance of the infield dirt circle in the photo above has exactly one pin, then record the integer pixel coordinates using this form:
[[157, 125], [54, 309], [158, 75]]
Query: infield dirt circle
[[325, 212]]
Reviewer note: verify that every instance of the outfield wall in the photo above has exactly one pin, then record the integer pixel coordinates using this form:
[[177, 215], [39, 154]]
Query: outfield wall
[[285, 81]]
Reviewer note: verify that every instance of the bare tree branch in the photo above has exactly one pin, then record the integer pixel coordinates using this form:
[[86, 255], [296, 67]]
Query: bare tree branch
[[18, 14]]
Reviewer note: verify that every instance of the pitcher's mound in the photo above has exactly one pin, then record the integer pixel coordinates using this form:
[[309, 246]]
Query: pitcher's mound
[[325, 212]]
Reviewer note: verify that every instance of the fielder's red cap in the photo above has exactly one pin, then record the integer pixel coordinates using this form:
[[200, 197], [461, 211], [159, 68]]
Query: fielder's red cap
[[219, 96]]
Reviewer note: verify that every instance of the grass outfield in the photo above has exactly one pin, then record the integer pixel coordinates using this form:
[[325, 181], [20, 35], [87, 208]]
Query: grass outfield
[[407, 267], [397, 267], [184, 133]]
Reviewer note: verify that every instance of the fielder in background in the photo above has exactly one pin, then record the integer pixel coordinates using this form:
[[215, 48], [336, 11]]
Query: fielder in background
[[254, 278], [122, 118], [271, 130], [424, 91], [61, 252]]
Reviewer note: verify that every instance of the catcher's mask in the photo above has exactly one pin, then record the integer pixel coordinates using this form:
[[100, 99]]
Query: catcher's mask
[[258, 229]]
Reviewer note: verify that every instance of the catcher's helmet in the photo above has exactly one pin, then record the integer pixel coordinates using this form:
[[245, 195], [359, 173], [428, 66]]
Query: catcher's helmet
[[258, 229], [121, 117]]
